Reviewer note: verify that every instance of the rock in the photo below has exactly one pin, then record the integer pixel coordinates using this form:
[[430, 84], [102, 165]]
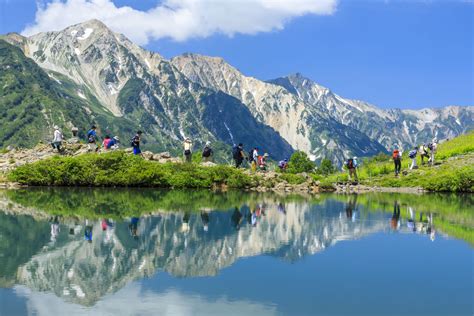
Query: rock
[[148, 155], [128, 150], [165, 155], [156, 157], [208, 164]]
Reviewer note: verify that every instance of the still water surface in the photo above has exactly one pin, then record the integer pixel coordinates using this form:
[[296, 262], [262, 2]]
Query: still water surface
[[148, 252]]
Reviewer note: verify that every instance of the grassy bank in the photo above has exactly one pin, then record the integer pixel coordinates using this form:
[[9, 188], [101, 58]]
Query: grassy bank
[[125, 170], [453, 172]]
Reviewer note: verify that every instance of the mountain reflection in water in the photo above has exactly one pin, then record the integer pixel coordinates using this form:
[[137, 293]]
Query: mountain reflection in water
[[82, 258]]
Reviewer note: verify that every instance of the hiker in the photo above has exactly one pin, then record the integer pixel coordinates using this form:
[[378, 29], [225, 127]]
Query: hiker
[[262, 162], [253, 158], [136, 143], [92, 139], [423, 151], [283, 164], [114, 143], [397, 160], [412, 156], [106, 142], [207, 153], [351, 164], [188, 146], [57, 138], [238, 155], [433, 148]]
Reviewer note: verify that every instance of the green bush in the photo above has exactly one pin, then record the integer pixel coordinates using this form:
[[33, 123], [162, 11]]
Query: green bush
[[299, 162], [120, 169], [292, 178]]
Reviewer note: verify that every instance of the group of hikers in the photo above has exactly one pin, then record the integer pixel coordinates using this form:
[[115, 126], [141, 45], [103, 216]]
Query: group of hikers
[[254, 159], [426, 151]]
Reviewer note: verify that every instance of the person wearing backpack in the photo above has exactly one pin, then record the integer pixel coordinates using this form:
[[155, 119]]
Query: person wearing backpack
[[57, 138], [92, 139], [135, 143], [188, 153], [238, 155], [106, 142], [397, 160], [423, 151], [412, 156], [351, 165], [433, 148], [207, 153]]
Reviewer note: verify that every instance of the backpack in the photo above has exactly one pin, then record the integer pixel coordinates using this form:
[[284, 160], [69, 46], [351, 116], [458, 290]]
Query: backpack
[[430, 146], [236, 152], [207, 152], [250, 157], [133, 141], [90, 137], [350, 163], [412, 154], [396, 154]]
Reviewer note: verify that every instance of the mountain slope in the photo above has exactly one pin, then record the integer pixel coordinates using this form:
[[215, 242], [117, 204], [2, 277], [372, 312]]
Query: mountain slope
[[130, 83], [305, 128], [388, 127]]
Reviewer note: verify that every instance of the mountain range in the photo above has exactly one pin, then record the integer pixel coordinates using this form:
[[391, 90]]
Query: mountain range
[[87, 74]]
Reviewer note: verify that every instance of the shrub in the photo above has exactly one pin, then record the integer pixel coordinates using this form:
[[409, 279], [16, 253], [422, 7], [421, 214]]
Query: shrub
[[299, 162]]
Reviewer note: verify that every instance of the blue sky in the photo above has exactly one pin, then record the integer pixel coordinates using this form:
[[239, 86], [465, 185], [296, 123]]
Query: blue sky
[[407, 54]]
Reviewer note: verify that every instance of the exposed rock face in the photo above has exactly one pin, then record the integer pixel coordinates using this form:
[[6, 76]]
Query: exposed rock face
[[83, 272], [388, 127]]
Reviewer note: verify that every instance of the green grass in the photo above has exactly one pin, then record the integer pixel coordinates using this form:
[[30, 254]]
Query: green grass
[[453, 172], [124, 170]]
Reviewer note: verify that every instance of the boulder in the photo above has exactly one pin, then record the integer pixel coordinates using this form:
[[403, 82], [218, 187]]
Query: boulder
[[165, 155], [148, 155]]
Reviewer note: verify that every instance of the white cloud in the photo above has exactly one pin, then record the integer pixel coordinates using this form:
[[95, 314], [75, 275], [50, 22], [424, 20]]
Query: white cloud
[[134, 300], [179, 19]]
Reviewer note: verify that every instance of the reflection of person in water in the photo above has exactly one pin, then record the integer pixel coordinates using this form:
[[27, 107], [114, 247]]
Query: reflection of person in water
[[426, 226], [236, 218], [185, 225], [88, 232], [411, 220], [395, 221], [253, 219], [205, 220], [134, 227], [350, 206], [54, 229], [281, 208]]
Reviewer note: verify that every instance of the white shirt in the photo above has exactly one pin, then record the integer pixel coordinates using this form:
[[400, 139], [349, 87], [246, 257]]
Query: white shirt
[[58, 136]]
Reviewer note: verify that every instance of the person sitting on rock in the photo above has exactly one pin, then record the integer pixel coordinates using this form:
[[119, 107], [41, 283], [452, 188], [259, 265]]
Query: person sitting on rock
[[57, 138], [283, 164], [114, 143], [106, 142], [262, 162]]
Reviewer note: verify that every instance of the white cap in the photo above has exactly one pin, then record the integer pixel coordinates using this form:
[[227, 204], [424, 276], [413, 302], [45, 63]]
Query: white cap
[[56, 127], [116, 137], [208, 143], [354, 157]]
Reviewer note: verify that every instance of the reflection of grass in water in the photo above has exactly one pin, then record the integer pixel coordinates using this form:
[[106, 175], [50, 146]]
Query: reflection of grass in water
[[119, 203], [453, 212]]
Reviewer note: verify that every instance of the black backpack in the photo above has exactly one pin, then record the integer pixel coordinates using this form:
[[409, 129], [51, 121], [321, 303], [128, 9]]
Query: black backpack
[[207, 152], [251, 154], [236, 152]]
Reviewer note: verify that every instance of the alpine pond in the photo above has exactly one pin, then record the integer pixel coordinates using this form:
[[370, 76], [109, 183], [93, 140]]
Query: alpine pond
[[149, 252]]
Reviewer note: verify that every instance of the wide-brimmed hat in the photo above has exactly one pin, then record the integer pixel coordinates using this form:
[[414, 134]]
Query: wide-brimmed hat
[[208, 143], [265, 155], [116, 138], [56, 127]]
